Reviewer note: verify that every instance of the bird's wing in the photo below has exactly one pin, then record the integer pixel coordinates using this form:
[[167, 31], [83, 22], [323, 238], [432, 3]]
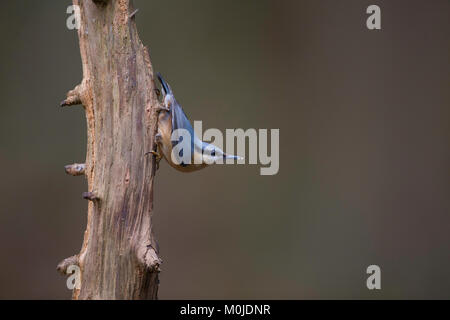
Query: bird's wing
[[180, 121]]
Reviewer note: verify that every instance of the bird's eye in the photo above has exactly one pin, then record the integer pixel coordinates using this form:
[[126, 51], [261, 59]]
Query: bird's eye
[[213, 153]]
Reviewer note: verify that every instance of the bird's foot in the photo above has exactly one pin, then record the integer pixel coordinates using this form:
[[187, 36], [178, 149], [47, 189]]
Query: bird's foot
[[158, 157], [162, 108]]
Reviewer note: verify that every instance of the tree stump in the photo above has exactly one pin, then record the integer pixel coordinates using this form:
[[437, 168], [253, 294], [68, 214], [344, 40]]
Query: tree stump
[[119, 256]]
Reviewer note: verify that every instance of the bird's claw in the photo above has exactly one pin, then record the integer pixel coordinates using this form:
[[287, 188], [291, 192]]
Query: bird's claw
[[160, 109], [158, 157]]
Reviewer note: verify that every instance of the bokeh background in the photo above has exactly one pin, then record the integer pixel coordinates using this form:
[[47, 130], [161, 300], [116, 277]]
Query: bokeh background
[[364, 148]]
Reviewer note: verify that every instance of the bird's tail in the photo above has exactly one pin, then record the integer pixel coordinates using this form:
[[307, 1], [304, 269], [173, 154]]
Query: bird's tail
[[164, 84]]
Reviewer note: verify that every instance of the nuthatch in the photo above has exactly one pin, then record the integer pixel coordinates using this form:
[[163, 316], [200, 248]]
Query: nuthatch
[[170, 119]]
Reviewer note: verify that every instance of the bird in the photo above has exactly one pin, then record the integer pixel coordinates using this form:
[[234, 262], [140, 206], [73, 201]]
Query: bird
[[171, 118]]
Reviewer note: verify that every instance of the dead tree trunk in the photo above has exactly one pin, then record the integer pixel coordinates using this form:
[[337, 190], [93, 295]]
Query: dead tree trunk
[[119, 256]]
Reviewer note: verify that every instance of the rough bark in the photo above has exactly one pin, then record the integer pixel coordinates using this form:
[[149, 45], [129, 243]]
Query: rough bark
[[119, 256]]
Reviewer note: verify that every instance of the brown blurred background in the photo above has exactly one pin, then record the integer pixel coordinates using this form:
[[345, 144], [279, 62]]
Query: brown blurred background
[[364, 148]]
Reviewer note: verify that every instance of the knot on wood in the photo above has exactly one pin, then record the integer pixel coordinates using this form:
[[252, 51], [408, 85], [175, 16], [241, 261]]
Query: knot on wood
[[91, 196], [66, 263], [73, 97], [131, 15], [76, 169], [149, 258]]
